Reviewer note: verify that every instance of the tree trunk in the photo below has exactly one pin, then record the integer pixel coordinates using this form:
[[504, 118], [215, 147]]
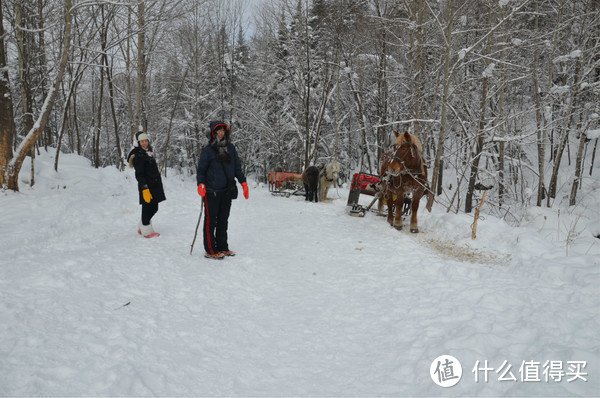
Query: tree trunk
[[128, 68], [382, 88], [168, 140], [360, 115], [24, 45], [111, 91], [321, 110], [554, 176], [578, 170], [479, 142], [564, 136], [419, 67], [140, 119], [304, 79], [63, 124], [42, 63], [574, 95], [541, 133], [7, 122], [99, 121], [437, 173], [503, 122], [76, 124], [12, 167]]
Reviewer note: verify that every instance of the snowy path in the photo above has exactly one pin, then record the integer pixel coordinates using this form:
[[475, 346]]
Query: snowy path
[[316, 303]]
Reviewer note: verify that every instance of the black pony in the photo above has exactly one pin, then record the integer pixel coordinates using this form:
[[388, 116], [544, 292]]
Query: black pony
[[310, 178]]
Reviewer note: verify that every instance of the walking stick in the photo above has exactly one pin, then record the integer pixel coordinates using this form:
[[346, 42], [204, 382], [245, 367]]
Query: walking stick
[[197, 225]]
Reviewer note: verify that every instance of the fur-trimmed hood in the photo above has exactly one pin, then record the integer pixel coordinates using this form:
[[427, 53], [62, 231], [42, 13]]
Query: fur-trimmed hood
[[213, 128]]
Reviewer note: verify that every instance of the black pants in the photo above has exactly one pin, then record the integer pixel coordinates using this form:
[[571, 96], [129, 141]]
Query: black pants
[[217, 206], [148, 211]]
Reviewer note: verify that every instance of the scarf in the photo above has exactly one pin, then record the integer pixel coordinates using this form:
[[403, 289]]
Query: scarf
[[221, 148]]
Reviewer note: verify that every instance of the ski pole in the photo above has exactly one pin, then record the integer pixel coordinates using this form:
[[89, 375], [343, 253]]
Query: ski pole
[[197, 225]]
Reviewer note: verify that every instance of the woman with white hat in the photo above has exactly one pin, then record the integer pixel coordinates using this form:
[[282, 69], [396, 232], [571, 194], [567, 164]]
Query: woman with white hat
[[149, 182]]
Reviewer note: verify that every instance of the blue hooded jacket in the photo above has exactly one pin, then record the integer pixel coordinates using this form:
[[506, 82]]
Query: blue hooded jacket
[[214, 174]]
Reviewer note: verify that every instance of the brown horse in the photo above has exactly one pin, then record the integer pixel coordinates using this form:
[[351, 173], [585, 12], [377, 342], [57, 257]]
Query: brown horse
[[404, 177]]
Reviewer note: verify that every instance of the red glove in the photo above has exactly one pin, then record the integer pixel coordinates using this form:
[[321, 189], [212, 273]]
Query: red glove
[[245, 188], [202, 190]]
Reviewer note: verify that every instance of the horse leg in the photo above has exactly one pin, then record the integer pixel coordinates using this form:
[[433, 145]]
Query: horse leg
[[399, 202], [380, 206], [382, 197], [390, 205], [414, 227], [306, 191]]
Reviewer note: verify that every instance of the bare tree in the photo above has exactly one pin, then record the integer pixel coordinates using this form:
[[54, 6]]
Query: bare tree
[[437, 172], [7, 122], [480, 136], [10, 164]]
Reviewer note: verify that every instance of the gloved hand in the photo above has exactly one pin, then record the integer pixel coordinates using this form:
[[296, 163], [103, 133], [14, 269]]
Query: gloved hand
[[147, 195], [245, 188], [202, 190]]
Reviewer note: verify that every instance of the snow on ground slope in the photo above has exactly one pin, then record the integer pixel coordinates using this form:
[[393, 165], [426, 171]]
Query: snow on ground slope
[[316, 303]]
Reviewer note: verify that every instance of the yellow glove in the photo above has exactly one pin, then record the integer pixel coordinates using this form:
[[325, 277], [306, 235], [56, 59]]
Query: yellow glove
[[147, 195]]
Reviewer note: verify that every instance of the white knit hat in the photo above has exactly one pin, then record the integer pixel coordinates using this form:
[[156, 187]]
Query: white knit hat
[[141, 136]]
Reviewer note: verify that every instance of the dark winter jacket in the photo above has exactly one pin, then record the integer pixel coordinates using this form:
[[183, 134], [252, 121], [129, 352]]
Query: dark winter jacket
[[147, 174], [216, 175]]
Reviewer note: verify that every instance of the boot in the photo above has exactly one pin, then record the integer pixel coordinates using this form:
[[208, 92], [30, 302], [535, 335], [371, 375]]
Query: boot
[[148, 231], [216, 256]]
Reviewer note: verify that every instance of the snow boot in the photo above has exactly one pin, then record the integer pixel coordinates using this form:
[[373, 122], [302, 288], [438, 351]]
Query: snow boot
[[148, 231], [228, 253], [216, 256]]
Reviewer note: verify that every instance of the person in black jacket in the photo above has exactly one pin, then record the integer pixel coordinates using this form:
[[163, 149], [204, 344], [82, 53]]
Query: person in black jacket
[[149, 182], [219, 164]]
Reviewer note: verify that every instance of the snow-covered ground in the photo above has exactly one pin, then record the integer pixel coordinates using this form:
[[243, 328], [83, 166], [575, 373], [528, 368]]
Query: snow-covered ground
[[316, 303]]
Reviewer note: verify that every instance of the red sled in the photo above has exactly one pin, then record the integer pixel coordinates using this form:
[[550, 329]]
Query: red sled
[[367, 184], [285, 184]]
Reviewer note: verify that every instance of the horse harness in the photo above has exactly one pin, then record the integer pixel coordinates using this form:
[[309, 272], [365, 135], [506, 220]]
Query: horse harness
[[405, 171]]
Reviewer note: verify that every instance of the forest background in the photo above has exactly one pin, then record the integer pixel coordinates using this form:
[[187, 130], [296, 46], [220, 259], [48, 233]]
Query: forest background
[[504, 94]]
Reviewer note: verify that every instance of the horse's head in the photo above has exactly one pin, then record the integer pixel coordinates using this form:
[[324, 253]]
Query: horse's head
[[406, 158], [332, 170], [405, 136]]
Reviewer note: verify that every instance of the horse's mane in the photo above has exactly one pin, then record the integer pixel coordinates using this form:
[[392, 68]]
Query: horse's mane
[[401, 138]]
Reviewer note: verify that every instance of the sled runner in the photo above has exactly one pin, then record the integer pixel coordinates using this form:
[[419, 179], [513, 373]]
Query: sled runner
[[285, 184]]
